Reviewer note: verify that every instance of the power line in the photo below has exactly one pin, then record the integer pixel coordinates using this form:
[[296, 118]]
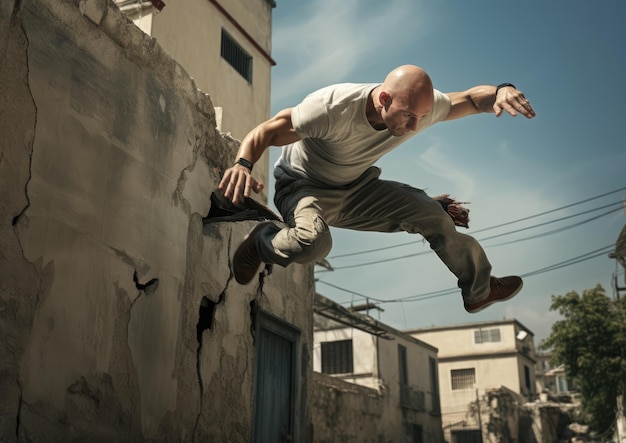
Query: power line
[[488, 228], [569, 262], [558, 231], [532, 237], [572, 261], [552, 210], [556, 220], [440, 293]]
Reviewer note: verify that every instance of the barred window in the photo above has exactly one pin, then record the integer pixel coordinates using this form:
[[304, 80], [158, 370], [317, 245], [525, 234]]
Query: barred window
[[235, 55], [463, 378], [486, 335], [337, 357]]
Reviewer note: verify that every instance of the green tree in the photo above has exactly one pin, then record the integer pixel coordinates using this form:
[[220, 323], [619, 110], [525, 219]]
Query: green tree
[[590, 342]]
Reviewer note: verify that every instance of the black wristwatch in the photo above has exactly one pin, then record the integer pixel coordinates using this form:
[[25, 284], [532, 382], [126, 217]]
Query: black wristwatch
[[504, 85], [244, 162]]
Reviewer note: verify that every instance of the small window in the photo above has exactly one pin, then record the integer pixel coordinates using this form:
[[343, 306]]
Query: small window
[[463, 378], [337, 357], [403, 367], [235, 55], [434, 386], [527, 377], [467, 436], [486, 335]]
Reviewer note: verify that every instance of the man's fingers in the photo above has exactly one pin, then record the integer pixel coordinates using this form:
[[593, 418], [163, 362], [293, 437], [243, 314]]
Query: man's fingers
[[236, 185], [247, 186], [513, 102], [243, 186], [258, 187], [528, 110], [230, 185], [523, 107], [224, 181], [510, 109], [239, 187]]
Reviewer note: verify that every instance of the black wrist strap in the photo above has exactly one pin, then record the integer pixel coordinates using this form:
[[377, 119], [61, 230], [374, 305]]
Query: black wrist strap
[[504, 85], [244, 162]]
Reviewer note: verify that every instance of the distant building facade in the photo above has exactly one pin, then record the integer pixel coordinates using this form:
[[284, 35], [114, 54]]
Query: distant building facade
[[474, 360], [225, 46], [398, 371], [551, 379]]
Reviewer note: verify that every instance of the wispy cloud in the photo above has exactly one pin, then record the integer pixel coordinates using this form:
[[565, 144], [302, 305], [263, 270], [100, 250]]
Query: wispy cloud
[[440, 163], [329, 41], [508, 169]]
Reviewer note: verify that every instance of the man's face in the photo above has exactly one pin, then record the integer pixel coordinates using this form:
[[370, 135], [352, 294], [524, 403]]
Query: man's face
[[400, 121], [403, 114]]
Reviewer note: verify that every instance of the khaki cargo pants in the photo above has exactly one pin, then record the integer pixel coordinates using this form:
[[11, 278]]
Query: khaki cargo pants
[[368, 204]]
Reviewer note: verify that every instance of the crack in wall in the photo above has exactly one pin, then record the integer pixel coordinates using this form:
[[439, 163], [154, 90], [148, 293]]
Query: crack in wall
[[206, 315], [16, 24], [177, 195], [30, 151], [254, 307], [18, 417], [149, 288], [266, 272], [81, 387]]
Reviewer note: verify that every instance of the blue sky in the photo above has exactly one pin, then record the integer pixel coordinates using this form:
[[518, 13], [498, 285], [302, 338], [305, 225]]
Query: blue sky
[[569, 58]]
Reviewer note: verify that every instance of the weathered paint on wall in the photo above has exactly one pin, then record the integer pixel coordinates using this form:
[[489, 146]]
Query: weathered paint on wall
[[191, 31], [376, 375], [108, 157], [346, 412]]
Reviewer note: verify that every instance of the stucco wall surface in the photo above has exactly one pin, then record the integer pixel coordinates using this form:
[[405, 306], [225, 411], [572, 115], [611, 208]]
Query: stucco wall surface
[[119, 316], [345, 412]]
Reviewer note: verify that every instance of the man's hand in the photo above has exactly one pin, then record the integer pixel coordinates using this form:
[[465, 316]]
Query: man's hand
[[237, 184], [512, 101], [457, 212]]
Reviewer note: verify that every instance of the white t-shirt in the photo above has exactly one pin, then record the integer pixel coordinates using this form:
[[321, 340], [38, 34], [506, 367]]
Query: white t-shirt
[[337, 142]]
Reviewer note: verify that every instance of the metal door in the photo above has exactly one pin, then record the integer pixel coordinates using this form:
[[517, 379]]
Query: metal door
[[275, 382]]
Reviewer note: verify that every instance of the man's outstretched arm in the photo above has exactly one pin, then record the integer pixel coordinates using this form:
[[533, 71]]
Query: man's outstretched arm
[[237, 182], [484, 99]]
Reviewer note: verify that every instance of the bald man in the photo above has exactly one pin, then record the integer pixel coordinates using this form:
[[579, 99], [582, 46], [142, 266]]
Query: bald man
[[325, 176]]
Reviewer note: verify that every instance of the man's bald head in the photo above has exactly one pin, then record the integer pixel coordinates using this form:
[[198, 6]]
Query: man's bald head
[[410, 84], [404, 98]]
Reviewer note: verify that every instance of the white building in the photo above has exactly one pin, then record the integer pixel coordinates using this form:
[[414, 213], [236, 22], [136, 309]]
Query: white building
[[551, 379], [226, 47], [475, 359], [399, 370]]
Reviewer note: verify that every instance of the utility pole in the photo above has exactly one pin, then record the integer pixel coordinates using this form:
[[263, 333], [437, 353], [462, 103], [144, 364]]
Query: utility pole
[[480, 420], [620, 255]]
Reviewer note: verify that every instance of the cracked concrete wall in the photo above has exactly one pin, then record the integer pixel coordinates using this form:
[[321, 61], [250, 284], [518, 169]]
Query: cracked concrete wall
[[108, 156], [343, 411]]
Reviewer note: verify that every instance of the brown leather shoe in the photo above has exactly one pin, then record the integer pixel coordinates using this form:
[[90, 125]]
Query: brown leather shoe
[[500, 289], [246, 261]]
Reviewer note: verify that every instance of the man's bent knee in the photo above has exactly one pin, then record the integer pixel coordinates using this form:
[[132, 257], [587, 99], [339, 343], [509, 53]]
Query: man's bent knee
[[315, 241]]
